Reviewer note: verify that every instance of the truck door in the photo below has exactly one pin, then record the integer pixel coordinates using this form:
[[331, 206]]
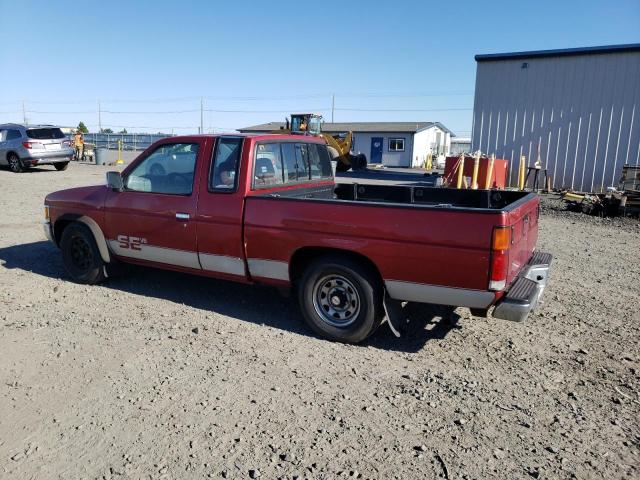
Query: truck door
[[152, 220], [376, 150], [220, 211]]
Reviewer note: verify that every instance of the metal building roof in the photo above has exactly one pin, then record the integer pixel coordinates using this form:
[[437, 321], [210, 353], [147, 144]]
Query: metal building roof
[[563, 52], [409, 127]]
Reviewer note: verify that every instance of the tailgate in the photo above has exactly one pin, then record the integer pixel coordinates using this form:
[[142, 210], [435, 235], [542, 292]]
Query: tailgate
[[524, 234]]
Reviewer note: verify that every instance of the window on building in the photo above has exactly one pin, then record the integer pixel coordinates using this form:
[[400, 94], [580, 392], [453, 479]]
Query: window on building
[[396, 144]]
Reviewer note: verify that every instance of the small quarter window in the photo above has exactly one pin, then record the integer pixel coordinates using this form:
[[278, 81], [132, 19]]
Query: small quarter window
[[267, 170], [226, 161], [396, 144], [319, 162]]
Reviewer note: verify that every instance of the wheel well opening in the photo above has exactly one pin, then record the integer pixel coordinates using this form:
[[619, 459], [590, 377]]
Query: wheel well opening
[[304, 256], [59, 227]]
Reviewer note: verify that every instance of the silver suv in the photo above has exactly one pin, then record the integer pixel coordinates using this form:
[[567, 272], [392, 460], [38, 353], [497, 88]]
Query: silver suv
[[23, 146]]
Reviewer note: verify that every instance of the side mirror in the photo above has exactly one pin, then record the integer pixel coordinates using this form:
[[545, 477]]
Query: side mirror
[[114, 181]]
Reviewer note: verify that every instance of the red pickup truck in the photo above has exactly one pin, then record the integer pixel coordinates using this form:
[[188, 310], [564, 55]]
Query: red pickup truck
[[267, 209]]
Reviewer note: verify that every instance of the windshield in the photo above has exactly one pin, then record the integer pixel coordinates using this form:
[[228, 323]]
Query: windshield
[[45, 133], [314, 125]]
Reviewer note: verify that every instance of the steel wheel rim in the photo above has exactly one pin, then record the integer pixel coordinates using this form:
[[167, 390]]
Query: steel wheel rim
[[336, 300], [81, 254]]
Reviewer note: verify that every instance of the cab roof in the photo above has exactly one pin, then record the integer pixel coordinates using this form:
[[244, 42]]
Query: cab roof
[[257, 136]]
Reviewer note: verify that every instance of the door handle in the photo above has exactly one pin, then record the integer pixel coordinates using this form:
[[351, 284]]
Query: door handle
[[182, 216]]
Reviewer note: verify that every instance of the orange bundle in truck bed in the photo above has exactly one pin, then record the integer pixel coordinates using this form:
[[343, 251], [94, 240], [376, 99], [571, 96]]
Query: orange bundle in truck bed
[[498, 178]]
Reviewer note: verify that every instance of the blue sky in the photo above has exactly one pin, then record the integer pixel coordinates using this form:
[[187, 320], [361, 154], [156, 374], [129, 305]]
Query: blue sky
[[413, 59]]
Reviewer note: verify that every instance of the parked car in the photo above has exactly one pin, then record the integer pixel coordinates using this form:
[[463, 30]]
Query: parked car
[[266, 209], [24, 146]]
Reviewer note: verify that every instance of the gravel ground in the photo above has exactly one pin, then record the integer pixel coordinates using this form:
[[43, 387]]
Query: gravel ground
[[163, 375]]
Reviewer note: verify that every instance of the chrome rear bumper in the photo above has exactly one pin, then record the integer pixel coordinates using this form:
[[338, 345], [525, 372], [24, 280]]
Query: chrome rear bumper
[[525, 291]]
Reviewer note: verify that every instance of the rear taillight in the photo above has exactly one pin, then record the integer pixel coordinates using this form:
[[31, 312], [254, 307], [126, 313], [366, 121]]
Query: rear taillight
[[500, 243], [66, 143], [32, 145]]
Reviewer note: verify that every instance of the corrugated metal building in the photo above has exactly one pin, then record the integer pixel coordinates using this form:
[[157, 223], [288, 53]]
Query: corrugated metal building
[[579, 108]]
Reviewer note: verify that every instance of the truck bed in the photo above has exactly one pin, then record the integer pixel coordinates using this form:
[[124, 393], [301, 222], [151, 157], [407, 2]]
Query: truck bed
[[415, 195], [423, 237]]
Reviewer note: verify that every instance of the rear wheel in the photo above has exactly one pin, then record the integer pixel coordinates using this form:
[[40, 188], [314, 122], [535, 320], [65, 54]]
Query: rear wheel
[[15, 164], [341, 299], [61, 166], [81, 255]]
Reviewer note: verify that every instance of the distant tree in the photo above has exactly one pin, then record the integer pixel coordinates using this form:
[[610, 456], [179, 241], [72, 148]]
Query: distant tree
[[106, 130], [82, 128], [123, 131]]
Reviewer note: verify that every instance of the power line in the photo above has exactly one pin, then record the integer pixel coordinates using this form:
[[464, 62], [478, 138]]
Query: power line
[[253, 97], [265, 111], [160, 127], [164, 112], [150, 113], [404, 109], [405, 95], [58, 113]]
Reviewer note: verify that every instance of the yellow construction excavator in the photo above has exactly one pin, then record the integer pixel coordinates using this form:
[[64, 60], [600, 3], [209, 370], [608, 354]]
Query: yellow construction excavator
[[339, 145]]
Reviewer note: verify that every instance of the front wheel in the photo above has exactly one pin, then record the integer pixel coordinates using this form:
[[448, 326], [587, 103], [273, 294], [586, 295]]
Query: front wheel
[[15, 164], [80, 254], [341, 299], [61, 166]]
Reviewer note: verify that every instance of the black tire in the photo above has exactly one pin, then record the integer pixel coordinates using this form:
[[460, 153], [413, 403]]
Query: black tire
[[60, 166], [80, 254], [15, 164], [341, 299], [358, 162]]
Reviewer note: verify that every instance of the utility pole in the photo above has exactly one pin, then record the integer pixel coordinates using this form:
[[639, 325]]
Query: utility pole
[[201, 115], [333, 105], [99, 118], [24, 113]]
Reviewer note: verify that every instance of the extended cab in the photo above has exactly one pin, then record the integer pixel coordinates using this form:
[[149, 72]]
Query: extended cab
[[267, 209]]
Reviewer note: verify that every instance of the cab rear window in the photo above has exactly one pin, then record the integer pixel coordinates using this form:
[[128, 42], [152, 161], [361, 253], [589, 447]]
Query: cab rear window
[[45, 133]]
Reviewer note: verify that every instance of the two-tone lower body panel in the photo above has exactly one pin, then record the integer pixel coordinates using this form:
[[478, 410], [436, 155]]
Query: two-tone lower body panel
[[521, 298], [437, 294]]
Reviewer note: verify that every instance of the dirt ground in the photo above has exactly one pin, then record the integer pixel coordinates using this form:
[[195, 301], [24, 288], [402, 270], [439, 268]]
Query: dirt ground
[[163, 375]]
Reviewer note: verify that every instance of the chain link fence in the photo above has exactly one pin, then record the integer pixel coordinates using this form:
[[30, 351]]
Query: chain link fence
[[130, 141]]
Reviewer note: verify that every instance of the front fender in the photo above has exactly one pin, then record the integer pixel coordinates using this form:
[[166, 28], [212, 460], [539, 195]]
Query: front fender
[[101, 242]]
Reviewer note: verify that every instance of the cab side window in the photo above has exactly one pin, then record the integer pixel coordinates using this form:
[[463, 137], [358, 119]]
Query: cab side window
[[302, 160], [319, 162], [290, 162], [169, 169], [226, 161], [268, 169]]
